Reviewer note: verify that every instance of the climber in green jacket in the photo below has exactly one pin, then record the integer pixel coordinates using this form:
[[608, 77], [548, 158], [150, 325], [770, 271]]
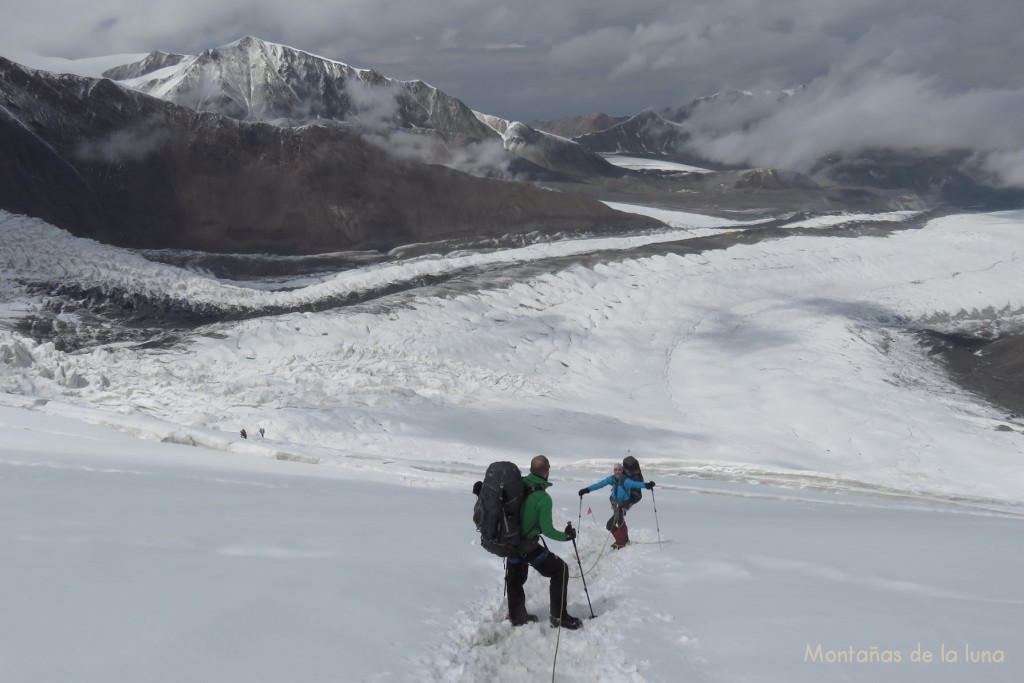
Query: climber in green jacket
[[535, 520]]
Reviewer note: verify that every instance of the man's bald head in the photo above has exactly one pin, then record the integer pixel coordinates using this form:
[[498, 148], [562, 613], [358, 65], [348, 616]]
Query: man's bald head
[[540, 466]]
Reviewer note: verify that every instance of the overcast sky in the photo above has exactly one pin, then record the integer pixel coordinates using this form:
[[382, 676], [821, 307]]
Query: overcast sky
[[933, 70]]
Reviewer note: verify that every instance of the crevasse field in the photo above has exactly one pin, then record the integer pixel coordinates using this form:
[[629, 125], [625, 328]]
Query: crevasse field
[[829, 505]]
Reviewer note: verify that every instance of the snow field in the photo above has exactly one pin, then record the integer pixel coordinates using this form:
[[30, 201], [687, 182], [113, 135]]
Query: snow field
[[640, 163], [822, 485], [787, 356], [123, 554]]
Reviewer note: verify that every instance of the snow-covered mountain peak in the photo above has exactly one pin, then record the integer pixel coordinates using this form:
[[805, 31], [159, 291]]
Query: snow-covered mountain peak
[[247, 41], [257, 50], [252, 79], [258, 46], [256, 80], [151, 63]]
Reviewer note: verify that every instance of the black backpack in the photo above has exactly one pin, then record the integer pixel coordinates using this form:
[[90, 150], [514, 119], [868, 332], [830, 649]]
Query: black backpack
[[499, 504], [631, 468]]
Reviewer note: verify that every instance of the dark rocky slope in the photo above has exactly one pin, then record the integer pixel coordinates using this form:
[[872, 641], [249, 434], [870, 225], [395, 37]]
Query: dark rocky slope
[[132, 170]]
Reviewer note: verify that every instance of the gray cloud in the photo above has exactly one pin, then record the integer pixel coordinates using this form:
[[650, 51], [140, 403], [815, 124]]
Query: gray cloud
[[876, 109], [938, 73], [485, 158], [373, 105]]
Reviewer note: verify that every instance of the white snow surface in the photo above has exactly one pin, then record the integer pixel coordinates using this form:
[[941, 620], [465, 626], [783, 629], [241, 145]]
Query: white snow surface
[[641, 163], [35, 251], [821, 482]]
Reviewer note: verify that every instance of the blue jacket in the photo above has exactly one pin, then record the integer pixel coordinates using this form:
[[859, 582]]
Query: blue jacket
[[620, 487]]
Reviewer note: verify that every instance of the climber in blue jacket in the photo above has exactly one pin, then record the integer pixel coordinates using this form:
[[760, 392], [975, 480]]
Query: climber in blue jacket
[[621, 502]]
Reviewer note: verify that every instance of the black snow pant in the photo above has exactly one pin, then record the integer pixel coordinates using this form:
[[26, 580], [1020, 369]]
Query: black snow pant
[[549, 565], [618, 518]]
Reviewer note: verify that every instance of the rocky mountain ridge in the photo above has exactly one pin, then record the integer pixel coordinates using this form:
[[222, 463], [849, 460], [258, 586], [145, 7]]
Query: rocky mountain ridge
[[255, 80], [129, 169]]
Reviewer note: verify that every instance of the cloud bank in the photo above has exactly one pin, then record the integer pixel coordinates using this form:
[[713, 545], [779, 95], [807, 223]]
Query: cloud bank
[[876, 110]]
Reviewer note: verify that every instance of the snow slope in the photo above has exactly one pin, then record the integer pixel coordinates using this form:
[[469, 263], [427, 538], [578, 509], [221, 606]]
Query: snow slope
[[820, 481], [790, 359], [643, 163], [92, 67], [131, 559]]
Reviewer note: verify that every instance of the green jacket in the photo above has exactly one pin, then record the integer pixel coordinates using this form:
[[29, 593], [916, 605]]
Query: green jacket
[[536, 516]]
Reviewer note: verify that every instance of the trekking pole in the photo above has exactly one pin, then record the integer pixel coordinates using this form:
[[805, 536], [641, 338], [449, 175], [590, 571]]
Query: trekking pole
[[584, 577], [561, 615], [658, 526], [579, 520]]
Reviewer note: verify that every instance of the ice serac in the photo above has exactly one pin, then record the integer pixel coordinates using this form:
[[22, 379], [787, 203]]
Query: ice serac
[[128, 169]]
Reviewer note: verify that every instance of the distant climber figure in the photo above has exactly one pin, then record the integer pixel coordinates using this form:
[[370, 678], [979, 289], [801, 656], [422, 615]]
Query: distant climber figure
[[262, 433], [244, 435]]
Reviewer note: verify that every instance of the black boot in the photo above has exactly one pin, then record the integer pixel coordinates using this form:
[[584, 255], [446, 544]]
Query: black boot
[[522, 619], [570, 622]]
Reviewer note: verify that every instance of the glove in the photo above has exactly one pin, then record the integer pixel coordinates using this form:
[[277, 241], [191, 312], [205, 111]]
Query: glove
[[649, 485], [584, 492], [570, 533]]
